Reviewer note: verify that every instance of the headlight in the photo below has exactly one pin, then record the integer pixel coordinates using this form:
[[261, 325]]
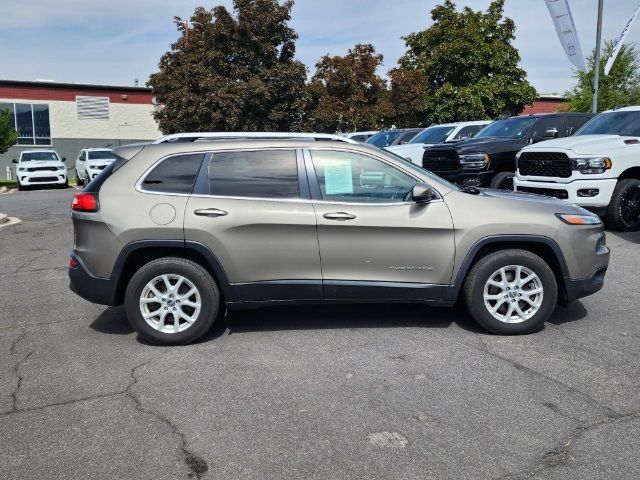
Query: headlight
[[22, 169], [591, 165], [62, 167], [474, 160], [579, 219], [92, 167]]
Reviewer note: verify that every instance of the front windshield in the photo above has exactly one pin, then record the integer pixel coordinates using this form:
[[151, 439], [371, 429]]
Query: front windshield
[[613, 123], [409, 165], [384, 138], [39, 156], [101, 155], [433, 135], [516, 127]]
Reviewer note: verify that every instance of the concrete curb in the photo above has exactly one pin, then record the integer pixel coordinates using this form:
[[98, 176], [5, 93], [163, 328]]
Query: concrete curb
[[6, 221]]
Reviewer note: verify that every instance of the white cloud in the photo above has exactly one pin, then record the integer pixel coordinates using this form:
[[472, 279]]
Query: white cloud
[[115, 41]]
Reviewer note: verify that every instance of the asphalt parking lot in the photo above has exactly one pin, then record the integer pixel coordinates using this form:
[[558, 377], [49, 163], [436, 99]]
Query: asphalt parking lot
[[336, 392]]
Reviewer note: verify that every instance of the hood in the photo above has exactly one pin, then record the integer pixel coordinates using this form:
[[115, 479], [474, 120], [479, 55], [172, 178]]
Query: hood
[[585, 144], [484, 145], [40, 163]]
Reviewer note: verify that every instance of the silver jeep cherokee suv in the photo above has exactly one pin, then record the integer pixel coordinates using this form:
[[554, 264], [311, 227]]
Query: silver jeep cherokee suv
[[178, 229]]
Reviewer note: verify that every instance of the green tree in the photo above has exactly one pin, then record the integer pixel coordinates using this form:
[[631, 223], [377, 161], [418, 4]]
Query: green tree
[[346, 94], [620, 87], [470, 66], [8, 134], [231, 72], [407, 90]]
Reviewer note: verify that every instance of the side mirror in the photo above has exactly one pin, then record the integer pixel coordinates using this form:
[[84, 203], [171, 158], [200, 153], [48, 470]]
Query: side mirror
[[422, 192], [551, 133], [14, 161], [64, 159]]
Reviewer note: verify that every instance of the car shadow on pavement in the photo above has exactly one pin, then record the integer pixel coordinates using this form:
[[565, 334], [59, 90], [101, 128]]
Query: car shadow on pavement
[[633, 237], [113, 321], [571, 313], [348, 316]]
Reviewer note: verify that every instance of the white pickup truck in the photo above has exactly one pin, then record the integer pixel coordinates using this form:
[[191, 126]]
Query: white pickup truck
[[598, 168]]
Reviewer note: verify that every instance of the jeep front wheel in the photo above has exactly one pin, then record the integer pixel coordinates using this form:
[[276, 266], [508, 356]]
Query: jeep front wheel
[[511, 292], [172, 301]]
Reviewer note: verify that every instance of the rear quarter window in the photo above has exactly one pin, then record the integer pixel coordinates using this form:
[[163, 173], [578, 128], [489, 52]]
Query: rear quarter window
[[176, 174]]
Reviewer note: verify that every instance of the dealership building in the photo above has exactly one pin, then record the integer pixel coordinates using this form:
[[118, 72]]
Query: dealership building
[[68, 117]]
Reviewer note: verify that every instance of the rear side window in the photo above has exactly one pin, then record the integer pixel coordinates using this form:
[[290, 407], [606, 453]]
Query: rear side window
[[175, 174], [263, 174]]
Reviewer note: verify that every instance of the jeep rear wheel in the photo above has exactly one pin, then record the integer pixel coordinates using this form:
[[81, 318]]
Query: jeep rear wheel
[[511, 292], [623, 212], [172, 301]]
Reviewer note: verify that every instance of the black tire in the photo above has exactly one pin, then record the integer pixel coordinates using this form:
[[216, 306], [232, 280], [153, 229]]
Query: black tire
[[502, 181], [484, 269], [194, 273], [79, 181], [623, 212], [65, 184], [20, 187]]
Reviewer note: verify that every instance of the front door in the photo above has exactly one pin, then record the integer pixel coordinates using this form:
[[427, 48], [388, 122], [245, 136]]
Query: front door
[[375, 242], [252, 217]]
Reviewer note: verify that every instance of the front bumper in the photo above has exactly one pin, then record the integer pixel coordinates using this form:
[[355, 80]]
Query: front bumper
[[98, 290], [569, 191], [581, 288], [47, 177]]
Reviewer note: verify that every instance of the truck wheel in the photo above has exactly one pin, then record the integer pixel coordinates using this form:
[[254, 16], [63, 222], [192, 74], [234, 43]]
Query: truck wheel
[[172, 301], [511, 292], [502, 181], [623, 212]]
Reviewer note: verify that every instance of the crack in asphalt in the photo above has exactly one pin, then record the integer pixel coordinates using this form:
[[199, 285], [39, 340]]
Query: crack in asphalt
[[559, 456], [197, 465], [30, 261], [607, 411]]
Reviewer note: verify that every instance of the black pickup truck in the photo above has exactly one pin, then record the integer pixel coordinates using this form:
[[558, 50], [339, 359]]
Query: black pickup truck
[[488, 159]]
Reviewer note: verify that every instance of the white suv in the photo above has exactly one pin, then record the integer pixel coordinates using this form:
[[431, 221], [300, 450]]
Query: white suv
[[90, 162], [40, 167], [447, 132], [598, 168]]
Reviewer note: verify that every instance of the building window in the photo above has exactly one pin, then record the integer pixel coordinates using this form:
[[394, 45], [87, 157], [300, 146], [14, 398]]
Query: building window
[[31, 121], [92, 108]]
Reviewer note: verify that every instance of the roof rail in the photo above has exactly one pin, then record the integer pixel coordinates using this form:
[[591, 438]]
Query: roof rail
[[195, 136]]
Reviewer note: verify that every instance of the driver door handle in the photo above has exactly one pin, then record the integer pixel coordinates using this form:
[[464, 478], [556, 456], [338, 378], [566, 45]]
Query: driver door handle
[[210, 212], [342, 216]]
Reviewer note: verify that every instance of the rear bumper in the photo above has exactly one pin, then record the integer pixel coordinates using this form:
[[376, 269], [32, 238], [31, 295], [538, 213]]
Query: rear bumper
[[587, 286], [98, 290]]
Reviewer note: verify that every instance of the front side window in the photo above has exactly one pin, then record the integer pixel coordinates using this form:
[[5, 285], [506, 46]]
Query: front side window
[[549, 128], [257, 174], [613, 123], [515, 127], [352, 177], [175, 174]]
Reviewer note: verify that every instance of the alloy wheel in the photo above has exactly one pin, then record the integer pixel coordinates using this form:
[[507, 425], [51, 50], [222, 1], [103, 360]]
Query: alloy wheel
[[170, 303], [513, 294], [630, 207]]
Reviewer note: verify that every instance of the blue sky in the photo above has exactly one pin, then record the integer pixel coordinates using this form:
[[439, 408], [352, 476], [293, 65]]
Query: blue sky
[[115, 41]]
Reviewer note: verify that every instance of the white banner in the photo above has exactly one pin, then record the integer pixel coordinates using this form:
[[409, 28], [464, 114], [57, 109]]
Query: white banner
[[563, 21], [617, 44]]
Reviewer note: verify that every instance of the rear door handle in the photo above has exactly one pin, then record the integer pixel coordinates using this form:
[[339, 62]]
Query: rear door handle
[[210, 212], [339, 216]]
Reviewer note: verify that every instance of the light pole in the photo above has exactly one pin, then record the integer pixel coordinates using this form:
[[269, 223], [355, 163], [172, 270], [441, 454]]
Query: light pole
[[596, 75]]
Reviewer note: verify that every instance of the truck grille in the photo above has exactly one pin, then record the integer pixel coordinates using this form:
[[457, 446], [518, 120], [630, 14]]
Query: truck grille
[[42, 169], [441, 160], [544, 164]]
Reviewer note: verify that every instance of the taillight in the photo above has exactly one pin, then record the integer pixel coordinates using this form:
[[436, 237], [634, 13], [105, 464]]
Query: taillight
[[73, 263], [85, 202]]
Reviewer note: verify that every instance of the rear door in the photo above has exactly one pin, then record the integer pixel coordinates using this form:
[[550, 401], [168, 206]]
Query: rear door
[[375, 242], [252, 210]]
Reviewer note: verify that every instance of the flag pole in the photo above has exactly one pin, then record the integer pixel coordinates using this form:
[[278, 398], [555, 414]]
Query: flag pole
[[596, 75]]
